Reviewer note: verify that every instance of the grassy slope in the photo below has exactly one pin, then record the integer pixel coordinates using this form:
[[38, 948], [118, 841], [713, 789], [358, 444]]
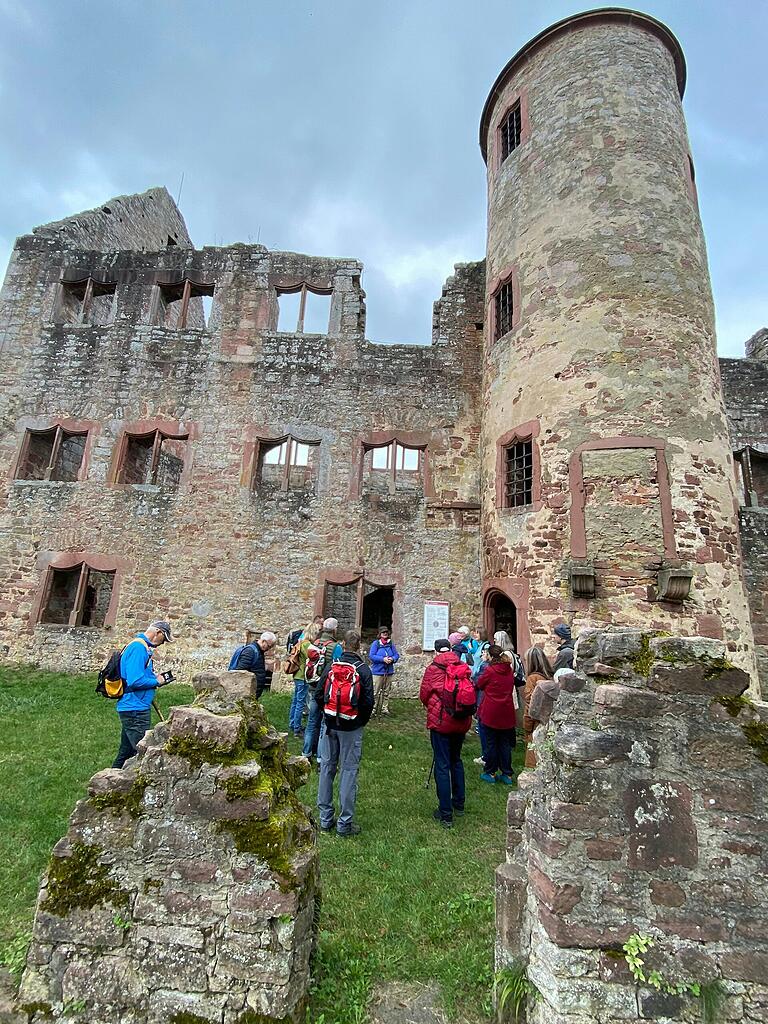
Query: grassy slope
[[405, 900]]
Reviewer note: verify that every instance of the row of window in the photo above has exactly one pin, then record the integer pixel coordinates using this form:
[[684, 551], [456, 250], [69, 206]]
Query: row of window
[[303, 309], [158, 458]]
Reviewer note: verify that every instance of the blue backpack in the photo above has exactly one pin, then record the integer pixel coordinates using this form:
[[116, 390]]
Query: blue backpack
[[233, 660]]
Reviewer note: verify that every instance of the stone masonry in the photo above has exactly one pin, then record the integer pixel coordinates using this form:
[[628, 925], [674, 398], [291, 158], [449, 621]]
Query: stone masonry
[[186, 887], [646, 815], [171, 446]]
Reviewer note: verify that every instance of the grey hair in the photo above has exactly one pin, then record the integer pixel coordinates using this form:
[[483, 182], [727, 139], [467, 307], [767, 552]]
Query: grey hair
[[331, 625]]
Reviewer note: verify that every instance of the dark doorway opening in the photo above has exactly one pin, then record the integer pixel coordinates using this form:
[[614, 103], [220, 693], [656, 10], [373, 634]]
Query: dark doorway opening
[[500, 613], [377, 611]]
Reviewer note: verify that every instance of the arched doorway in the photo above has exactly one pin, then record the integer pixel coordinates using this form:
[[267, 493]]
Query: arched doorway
[[500, 612]]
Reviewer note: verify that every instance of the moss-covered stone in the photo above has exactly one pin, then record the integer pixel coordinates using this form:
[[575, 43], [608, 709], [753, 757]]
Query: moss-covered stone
[[756, 734], [80, 881], [189, 1018], [643, 661], [37, 1007], [272, 840], [250, 1017], [734, 705], [129, 802]]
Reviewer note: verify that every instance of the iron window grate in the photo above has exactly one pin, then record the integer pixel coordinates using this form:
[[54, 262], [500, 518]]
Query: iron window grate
[[504, 311], [518, 479], [511, 130]]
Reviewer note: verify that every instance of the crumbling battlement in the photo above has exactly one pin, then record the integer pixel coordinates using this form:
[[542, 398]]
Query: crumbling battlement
[[645, 816], [186, 887]]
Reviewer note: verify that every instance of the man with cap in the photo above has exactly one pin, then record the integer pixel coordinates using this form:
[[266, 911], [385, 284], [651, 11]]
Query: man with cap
[[382, 655], [141, 682], [564, 654], [447, 735], [252, 659]]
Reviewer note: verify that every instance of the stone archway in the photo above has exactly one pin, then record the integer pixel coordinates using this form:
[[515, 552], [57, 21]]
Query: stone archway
[[505, 603]]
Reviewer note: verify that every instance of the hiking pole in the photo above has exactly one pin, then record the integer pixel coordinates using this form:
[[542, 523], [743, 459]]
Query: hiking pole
[[429, 777], [159, 712]]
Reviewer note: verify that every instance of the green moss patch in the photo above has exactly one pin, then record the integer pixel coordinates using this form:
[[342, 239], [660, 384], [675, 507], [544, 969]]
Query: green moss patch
[[734, 705], [80, 880], [189, 1018], [756, 734], [119, 802], [643, 661], [274, 839]]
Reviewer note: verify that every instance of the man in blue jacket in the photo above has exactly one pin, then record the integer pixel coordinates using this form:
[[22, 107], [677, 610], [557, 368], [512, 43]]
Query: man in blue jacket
[[251, 659], [382, 655], [141, 682]]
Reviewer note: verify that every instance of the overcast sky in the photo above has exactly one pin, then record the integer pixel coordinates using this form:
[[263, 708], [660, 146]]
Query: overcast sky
[[347, 128]]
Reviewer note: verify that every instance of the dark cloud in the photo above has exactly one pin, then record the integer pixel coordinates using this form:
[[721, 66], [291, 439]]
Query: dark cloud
[[341, 129]]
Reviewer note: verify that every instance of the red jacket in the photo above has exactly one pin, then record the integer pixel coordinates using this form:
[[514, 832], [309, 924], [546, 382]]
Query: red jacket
[[497, 681], [429, 695]]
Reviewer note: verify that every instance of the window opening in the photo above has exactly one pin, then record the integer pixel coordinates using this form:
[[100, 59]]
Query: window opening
[[378, 603], [504, 311], [286, 465], [518, 481], [510, 131], [307, 308], [87, 302], [182, 307], [754, 477], [77, 597], [54, 454], [359, 605], [154, 458], [395, 467]]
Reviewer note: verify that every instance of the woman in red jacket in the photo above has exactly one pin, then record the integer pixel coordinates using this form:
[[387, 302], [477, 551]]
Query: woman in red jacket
[[447, 734], [497, 714]]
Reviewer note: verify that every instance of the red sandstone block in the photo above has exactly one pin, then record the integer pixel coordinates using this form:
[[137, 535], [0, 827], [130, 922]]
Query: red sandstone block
[[560, 898], [667, 894], [752, 966], [579, 936], [694, 927], [603, 849]]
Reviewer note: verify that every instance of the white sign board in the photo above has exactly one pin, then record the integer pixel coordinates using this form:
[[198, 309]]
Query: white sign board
[[436, 619]]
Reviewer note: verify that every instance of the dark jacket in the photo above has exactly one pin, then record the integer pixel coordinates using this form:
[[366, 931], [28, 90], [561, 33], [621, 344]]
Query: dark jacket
[[430, 696], [252, 660], [564, 656], [365, 704], [497, 682]]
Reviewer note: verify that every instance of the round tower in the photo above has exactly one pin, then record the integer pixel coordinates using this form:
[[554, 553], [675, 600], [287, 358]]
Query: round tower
[[608, 492]]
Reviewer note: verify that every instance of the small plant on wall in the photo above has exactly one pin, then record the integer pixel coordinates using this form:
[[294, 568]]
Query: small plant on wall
[[513, 992], [711, 994]]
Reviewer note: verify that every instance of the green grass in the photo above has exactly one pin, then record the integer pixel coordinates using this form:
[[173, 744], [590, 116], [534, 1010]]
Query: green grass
[[405, 900]]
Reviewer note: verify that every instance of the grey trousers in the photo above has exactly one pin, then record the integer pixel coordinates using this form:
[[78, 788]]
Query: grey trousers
[[338, 751]]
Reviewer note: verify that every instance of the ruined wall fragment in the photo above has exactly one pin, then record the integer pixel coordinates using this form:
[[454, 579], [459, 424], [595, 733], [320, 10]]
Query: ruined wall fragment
[[645, 815], [186, 886]]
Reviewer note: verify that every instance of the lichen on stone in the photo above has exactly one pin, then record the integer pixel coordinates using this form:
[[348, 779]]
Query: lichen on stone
[[80, 881], [119, 802]]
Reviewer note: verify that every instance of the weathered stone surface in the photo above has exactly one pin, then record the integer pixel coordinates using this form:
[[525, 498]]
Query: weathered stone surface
[[511, 894], [206, 905], [581, 745], [628, 700], [662, 832]]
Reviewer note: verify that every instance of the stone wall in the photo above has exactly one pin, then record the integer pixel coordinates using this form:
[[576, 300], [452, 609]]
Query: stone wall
[[645, 815], [186, 886], [222, 550]]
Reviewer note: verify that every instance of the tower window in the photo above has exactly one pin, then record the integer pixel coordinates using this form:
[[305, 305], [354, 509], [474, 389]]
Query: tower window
[[87, 302], [510, 131], [518, 474], [504, 311], [184, 306], [307, 307]]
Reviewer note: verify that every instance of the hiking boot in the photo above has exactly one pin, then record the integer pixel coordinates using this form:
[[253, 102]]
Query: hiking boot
[[458, 812], [329, 828], [353, 830], [487, 778], [479, 760], [507, 780], [445, 822]]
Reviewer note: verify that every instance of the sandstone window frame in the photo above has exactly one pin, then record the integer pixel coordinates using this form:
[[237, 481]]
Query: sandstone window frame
[[57, 566], [169, 292], [578, 493], [407, 439], [518, 101], [291, 456], [30, 425], [61, 435], [360, 578], [84, 291], [744, 459], [163, 430], [523, 433], [303, 288], [505, 288]]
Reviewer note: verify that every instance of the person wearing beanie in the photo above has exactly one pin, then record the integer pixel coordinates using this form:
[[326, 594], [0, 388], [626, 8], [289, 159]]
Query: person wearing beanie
[[460, 646], [497, 714], [446, 734], [565, 642]]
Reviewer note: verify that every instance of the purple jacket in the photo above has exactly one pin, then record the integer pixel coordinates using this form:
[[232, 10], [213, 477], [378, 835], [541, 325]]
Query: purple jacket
[[378, 653]]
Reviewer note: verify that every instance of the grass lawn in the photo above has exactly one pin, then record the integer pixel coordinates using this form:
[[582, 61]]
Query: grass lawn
[[406, 900]]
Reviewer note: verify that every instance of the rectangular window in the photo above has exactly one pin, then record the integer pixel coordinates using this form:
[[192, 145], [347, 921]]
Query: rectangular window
[[518, 478], [504, 311], [184, 306], [87, 302], [288, 465], [77, 597], [510, 131], [393, 467], [54, 454], [308, 308], [153, 458]]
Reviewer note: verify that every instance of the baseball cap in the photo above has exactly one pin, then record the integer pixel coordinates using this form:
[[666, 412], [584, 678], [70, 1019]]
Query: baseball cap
[[164, 627], [442, 645]]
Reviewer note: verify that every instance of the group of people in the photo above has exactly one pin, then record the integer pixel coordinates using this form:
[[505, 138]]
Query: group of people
[[338, 690]]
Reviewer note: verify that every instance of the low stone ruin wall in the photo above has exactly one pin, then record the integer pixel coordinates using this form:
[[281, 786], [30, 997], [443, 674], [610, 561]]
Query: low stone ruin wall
[[185, 889], [646, 818]]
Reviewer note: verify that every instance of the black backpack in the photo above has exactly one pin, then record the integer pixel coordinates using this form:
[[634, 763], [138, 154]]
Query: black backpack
[[110, 683]]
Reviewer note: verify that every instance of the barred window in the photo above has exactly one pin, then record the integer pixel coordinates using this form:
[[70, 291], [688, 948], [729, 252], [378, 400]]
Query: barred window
[[518, 479], [510, 131], [504, 311]]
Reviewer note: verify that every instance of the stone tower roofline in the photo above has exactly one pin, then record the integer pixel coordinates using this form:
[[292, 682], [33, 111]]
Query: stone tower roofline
[[617, 15]]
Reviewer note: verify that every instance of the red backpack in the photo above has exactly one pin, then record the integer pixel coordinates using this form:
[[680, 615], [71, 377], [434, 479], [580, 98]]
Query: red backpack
[[342, 691], [317, 655], [458, 698]]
